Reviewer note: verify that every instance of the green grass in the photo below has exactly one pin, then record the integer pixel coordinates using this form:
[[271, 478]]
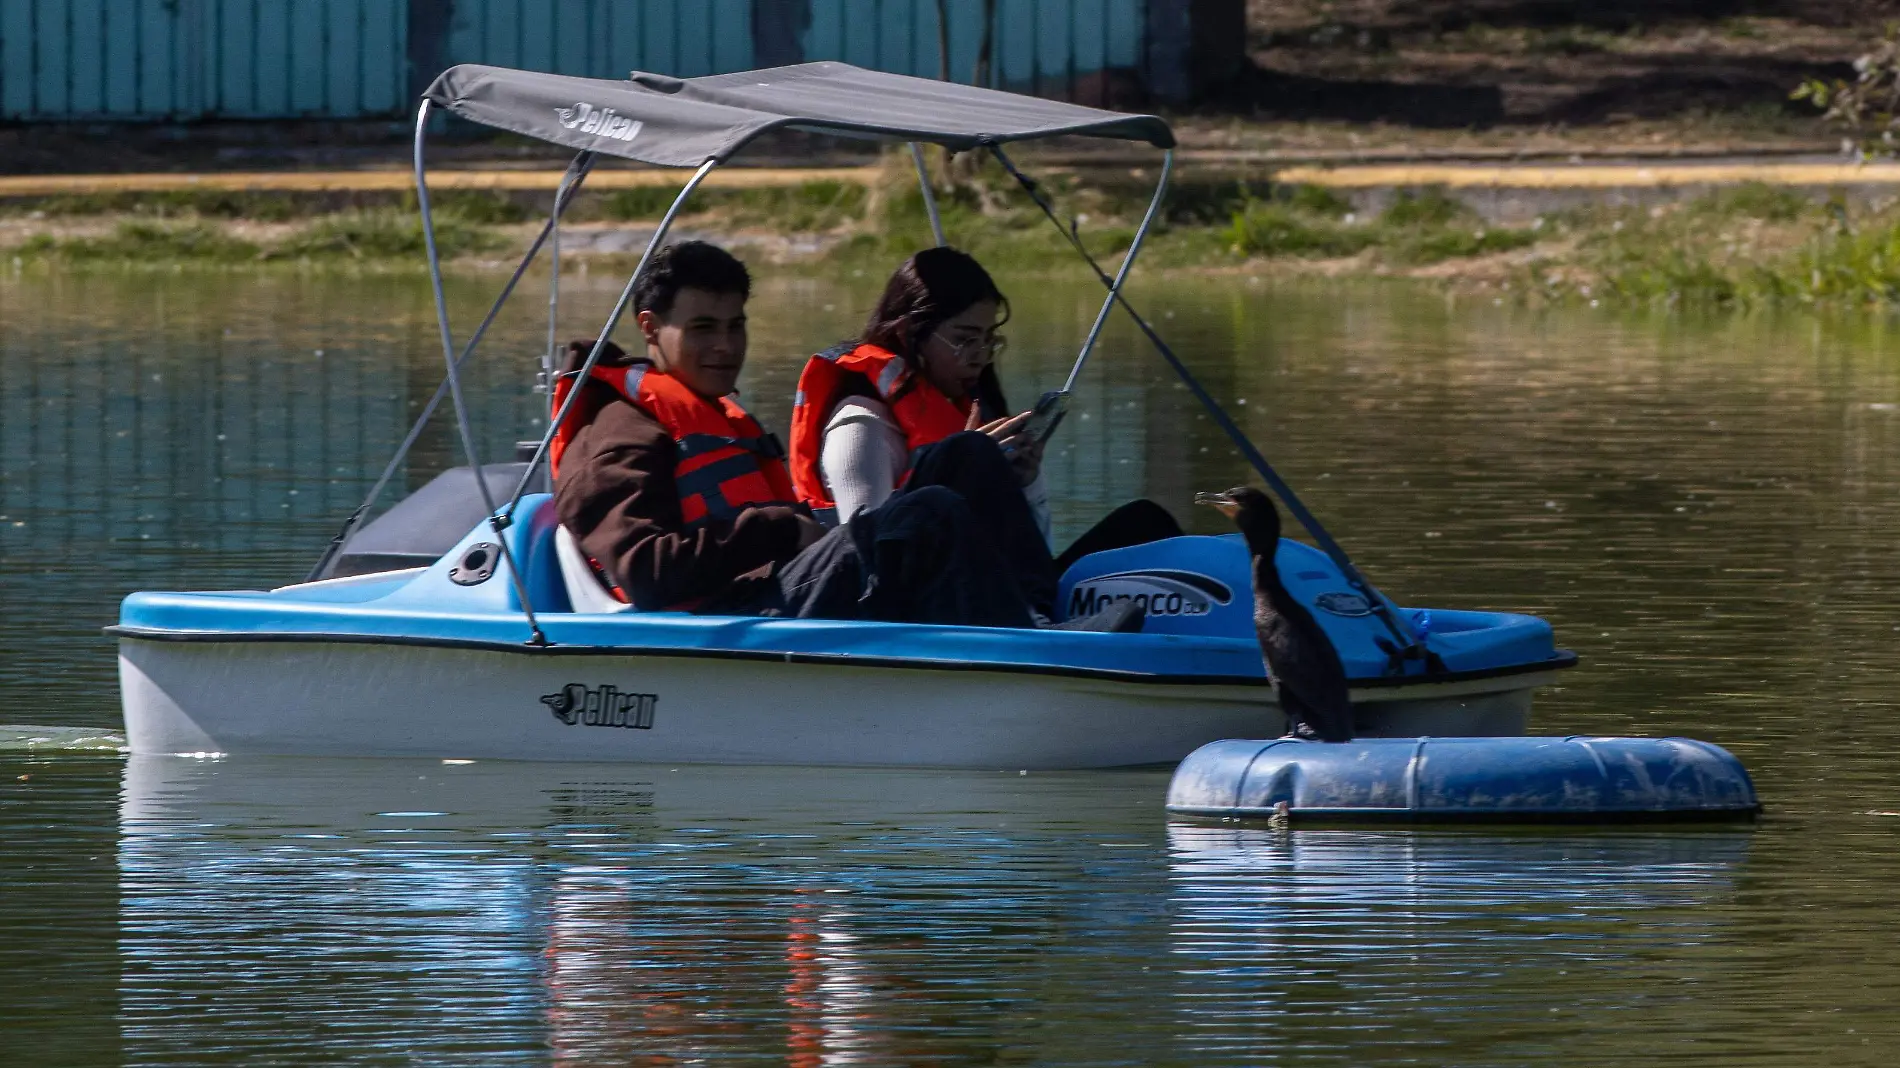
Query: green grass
[[1752, 200], [1745, 247], [1271, 228], [165, 204], [1741, 247], [803, 208], [1416, 228], [385, 234], [145, 242]]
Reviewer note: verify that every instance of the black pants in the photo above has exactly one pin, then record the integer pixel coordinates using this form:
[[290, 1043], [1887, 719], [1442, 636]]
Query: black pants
[[957, 545]]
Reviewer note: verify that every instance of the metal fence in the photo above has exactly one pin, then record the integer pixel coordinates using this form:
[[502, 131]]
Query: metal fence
[[187, 60]]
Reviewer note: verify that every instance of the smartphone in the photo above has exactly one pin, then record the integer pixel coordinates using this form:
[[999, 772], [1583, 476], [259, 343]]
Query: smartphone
[[1046, 415]]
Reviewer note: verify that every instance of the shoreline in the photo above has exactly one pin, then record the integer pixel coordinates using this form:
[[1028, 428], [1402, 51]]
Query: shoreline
[[1724, 234]]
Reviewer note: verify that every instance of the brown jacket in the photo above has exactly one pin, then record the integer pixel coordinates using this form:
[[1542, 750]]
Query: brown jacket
[[617, 496]]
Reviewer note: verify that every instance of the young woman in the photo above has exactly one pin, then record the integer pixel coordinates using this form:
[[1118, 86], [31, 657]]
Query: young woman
[[924, 370]]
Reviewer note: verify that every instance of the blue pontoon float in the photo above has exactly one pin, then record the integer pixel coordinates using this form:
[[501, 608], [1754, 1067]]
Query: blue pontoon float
[[494, 640]]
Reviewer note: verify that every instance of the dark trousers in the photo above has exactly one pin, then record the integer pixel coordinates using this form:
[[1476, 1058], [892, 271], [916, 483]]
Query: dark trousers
[[957, 545]]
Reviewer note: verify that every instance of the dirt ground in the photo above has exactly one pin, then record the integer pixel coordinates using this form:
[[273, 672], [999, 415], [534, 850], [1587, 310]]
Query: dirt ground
[[1460, 64]]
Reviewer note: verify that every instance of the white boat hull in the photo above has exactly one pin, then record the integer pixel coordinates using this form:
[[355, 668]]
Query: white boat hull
[[355, 699]]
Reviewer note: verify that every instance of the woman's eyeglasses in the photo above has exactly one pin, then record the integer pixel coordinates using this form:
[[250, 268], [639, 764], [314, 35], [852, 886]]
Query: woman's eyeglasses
[[977, 349]]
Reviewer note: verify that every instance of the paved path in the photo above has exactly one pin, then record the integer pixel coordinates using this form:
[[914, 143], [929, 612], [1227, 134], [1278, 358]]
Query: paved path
[[1593, 176]]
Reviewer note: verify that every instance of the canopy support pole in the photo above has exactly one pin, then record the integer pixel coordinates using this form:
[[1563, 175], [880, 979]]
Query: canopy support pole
[[606, 332], [1409, 646], [1121, 273], [496, 522], [577, 172], [930, 197]]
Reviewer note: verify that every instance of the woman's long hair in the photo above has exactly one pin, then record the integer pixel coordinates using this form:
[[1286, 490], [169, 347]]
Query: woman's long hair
[[930, 287]]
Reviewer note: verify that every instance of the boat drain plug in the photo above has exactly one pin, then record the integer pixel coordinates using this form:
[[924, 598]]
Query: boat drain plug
[[477, 563]]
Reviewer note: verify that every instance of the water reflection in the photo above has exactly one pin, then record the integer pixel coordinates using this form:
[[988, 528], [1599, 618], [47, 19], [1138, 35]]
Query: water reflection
[[1323, 940], [328, 910], [609, 914]]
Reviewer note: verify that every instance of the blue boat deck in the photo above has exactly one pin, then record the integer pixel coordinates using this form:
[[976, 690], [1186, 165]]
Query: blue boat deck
[[1199, 628]]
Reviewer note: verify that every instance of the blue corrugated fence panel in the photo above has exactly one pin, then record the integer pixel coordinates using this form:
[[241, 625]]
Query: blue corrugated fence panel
[[966, 38], [384, 31], [569, 44], [235, 44], [1088, 44], [502, 40], [16, 59], [824, 35], [540, 26], [894, 51], [859, 34], [182, 59], [342, 51], [732, 37], [270, 53], [1055, 20], [1126, 31], [1015, 61], [86, 54], [304, 44], [692, 27], [157, 21], [627, 42], [52, 36]]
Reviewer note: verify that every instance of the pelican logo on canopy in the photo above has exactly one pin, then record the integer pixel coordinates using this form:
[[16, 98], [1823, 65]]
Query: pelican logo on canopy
[[606, 122], [1162, 592], [601, 706]]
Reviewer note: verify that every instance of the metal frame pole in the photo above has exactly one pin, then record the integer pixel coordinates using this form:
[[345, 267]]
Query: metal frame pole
[[606, 332], [576, 174], [1409, 644], [496, 522], [930, 198], [1121, 274]]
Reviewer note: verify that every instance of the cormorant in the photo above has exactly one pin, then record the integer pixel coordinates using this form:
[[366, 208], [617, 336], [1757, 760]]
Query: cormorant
[[1306, 672]]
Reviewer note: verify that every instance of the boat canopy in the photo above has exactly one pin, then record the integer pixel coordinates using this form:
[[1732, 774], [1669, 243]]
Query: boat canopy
[[702, 122], [684, 122]]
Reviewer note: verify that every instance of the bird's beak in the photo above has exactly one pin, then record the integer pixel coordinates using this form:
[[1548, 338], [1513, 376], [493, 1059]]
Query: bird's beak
[[1222, 501]]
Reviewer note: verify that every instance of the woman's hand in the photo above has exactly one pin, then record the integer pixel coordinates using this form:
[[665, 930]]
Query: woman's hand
[[1024, 452]]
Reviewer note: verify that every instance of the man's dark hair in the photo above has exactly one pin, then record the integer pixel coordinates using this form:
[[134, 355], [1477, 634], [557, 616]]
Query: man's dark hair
[[689, 265]]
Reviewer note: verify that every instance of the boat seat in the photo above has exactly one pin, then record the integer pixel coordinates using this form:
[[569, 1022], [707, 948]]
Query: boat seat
[[585, 591]]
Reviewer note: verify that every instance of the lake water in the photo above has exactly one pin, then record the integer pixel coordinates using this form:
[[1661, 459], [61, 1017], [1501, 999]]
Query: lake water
[[1708, 511]]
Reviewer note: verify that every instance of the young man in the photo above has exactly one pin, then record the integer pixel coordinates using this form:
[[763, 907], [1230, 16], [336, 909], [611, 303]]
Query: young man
[[683, 501]]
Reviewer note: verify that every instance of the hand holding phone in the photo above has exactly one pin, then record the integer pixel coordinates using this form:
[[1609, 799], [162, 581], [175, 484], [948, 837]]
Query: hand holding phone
[[1046, 415]]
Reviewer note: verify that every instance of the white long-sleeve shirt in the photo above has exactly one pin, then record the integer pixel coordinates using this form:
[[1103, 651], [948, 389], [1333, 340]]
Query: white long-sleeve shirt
[[862, 454]]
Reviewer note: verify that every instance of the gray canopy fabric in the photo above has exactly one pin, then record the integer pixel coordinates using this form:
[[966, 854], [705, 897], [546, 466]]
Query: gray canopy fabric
[[683, 122]]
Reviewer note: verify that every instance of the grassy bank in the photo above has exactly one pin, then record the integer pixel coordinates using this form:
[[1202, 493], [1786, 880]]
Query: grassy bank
[[1740, 247]]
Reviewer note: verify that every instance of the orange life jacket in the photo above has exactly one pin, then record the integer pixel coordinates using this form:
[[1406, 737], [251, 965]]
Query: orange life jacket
[[922, 412], [727, 460]]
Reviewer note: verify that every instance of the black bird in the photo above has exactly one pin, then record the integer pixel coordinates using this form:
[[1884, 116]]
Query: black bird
[[1306, 671]]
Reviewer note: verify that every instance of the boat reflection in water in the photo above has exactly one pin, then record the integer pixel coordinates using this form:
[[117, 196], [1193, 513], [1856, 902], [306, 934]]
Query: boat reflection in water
[[339, 910], [1421, 937], [606, 912]]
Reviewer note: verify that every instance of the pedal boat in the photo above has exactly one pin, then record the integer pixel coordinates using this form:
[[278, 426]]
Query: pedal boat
[[501, 644]]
